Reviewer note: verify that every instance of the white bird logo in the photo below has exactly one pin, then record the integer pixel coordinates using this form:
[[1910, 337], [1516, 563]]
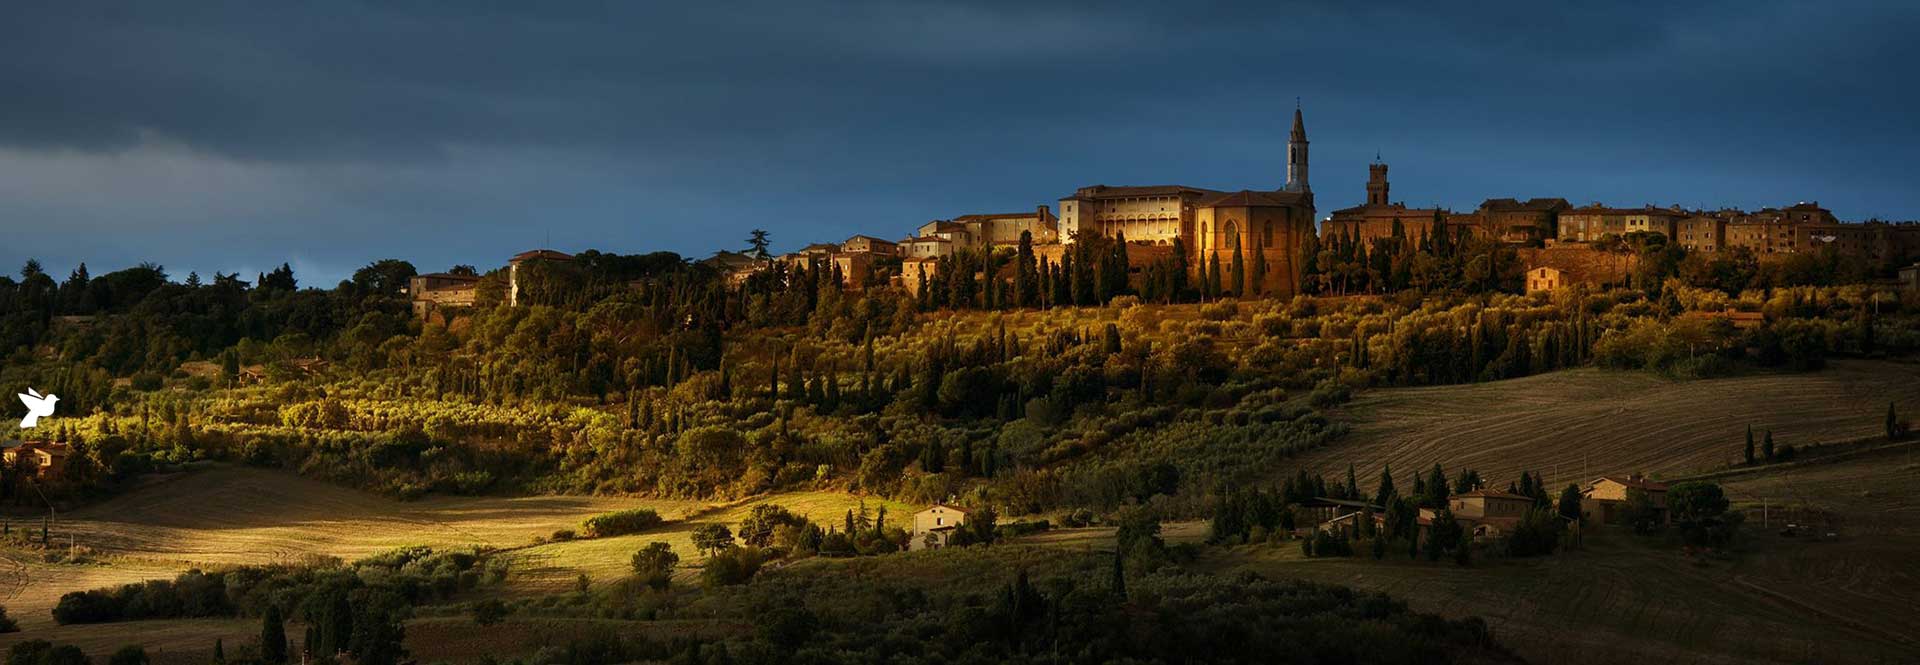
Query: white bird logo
[[37, 406]]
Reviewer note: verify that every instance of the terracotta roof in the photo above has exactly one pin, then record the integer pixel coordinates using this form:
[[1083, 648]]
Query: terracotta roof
[[1509, 204], [951, 507], [1640, 483], [1248, 198], [867, 238], [820, 246], [1002, 215], [1493, 494], [929, 239], [541, 254], [448, 275], [1133, 191]]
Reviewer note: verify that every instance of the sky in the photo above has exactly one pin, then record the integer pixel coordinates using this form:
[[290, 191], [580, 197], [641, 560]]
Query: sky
[[234, 136]]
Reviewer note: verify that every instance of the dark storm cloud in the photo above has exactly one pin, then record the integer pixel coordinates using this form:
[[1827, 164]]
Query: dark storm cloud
[[617, 124]]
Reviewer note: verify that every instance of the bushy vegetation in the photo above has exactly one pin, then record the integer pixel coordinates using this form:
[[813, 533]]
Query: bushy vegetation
[[410, 575], [620, 523]]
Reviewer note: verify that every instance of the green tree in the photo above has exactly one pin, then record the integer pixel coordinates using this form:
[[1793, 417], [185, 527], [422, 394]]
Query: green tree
[[1766, 447], [273, 635], [1385, 493], [490, 611], [654, 564], [711, 539], [1749, 450], [132, 654], [1570, 502], [757, 243]]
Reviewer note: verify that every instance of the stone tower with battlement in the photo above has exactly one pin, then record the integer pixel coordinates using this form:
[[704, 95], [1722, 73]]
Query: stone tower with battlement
[[1376, 183]]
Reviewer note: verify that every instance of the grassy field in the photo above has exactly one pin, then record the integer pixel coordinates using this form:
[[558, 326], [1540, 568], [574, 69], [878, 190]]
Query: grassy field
[[1575, 424], [235, 516]]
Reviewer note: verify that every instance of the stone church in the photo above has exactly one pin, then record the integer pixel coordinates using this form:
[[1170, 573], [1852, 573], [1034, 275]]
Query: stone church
[[1208, 222]]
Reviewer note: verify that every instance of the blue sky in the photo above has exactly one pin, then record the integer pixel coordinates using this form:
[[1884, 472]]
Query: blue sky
[[233, 136]]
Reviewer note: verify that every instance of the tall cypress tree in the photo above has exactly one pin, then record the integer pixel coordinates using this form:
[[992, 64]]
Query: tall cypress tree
[[1213, 275], [1238, 271], [273, 635], [1026, 290]]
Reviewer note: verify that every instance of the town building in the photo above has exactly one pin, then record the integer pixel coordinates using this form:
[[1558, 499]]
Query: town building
[[440, 291], [1910, 277], [1208, 223], [1532, 221], [1605, 498], [863, 244], [926, 247], [990, 230], [1593, 222], [1701, 233], [933, 528], [529, 258], [915, 273]]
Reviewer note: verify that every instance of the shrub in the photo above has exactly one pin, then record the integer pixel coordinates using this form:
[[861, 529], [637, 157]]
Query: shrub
[[734, 565], [621, 522], [7, 624]]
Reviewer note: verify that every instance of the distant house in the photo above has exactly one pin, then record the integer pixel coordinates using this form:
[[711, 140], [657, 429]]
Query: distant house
[[48, 460], [736, 266], [1605, 498], [1488, 512], [1545, 278], [934, 527], [1910, 277]]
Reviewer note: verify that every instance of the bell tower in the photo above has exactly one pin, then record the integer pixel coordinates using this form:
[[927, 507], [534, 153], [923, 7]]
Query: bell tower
[[1297, 154], [1377, 182]]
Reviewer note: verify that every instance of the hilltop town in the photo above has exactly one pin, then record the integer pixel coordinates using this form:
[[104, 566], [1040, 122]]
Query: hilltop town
[[1278, 232]]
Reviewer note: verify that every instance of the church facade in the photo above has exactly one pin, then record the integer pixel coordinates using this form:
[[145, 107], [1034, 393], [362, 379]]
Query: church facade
[[1208, 223]]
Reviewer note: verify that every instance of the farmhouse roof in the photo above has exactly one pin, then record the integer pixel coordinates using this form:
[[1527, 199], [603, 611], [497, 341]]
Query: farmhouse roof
[[1635, 483], [448, 275], [1330, 501], [1494, 494], [948, 506]]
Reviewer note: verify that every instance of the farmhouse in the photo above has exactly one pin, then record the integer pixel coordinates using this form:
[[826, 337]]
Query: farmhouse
[[436, 291], [1545, 278], [1323, 510], [1605, 499], [47, 460], [1490, 512], [1910, 277], [529, 258], [934, 526]]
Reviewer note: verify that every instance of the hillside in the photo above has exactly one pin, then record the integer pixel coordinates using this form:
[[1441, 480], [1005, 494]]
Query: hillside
[[1577, 423]]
